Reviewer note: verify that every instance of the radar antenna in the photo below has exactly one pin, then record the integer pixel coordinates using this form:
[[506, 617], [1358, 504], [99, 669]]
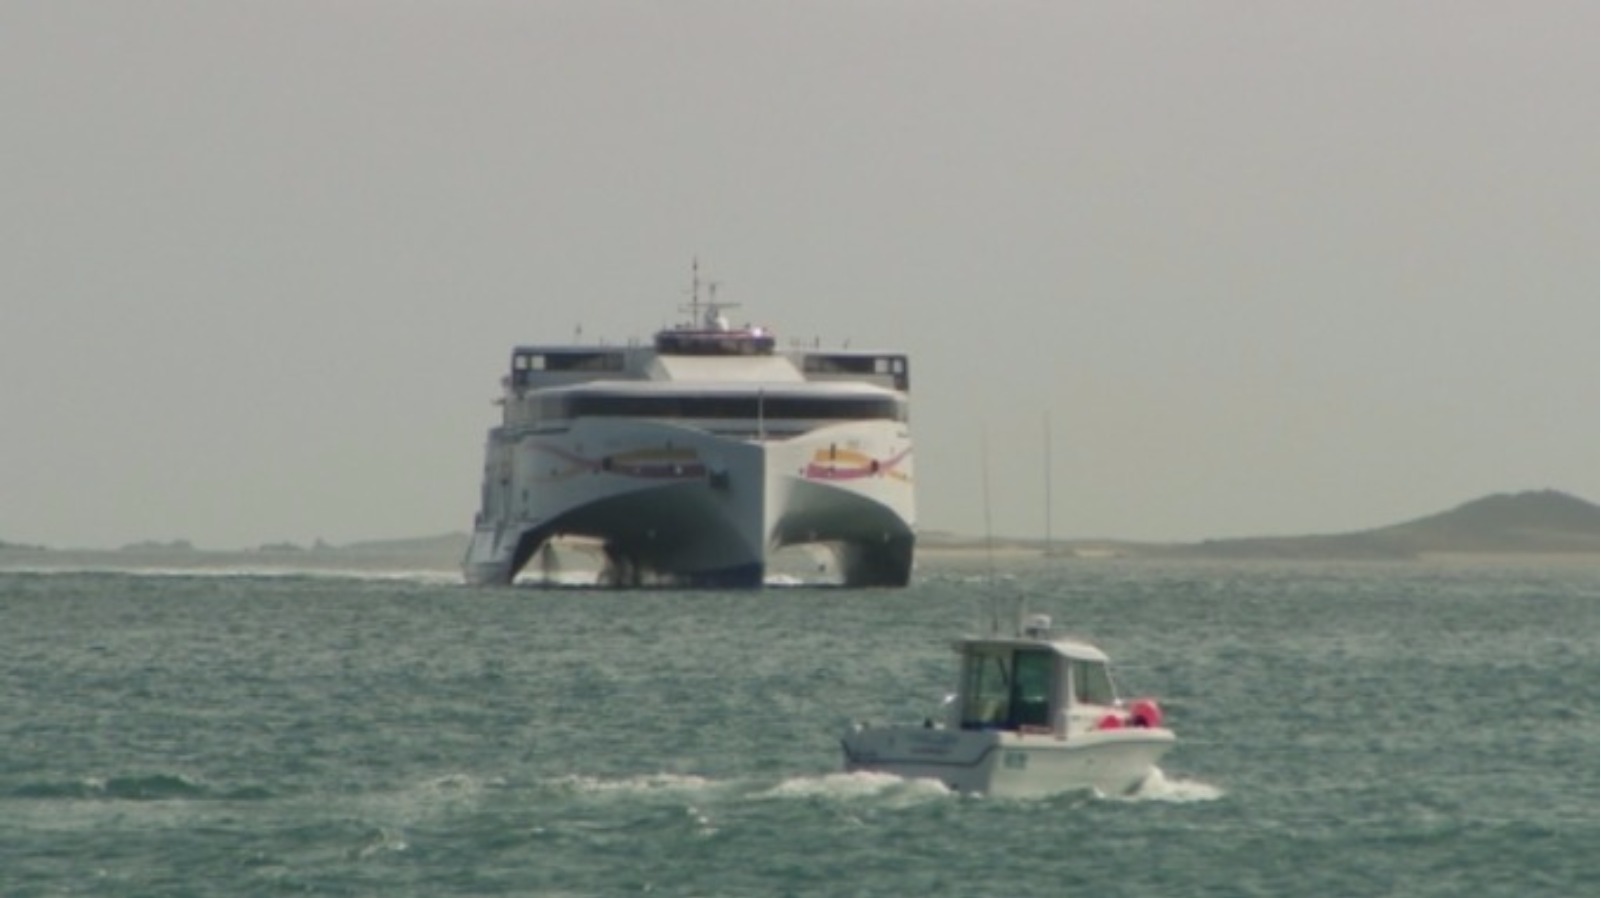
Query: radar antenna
[[712, 318]]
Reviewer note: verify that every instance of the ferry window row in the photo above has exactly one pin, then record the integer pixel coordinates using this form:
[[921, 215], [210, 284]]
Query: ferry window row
[[855, 364], [892, 366], [523, 363], [751, 408]]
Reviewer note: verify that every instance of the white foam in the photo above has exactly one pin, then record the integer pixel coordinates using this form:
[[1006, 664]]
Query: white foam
[[861, 784], [647, 783], [383, 840], [578, 578], [1157, 787]]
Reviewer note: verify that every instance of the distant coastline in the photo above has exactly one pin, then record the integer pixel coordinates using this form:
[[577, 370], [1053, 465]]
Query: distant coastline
[[1527, 524], [1514, 526]]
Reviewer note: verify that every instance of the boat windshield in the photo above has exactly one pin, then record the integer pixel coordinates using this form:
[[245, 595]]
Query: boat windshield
[[985, 690], [1092, 683], [1006, 690], [1031, 699]]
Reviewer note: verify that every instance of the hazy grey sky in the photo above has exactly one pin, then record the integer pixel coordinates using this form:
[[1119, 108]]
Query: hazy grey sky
[[1269, 267]]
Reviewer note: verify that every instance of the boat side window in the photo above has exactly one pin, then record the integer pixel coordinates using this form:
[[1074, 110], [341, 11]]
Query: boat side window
[[1092, 683], [1031, 693], [987, 691]]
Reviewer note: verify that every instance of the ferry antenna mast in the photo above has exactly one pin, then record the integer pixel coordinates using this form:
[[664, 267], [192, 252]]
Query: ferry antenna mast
[[713, 307], [694, 291]]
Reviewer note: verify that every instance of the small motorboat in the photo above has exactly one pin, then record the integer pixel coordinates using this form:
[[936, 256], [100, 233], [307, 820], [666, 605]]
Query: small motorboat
[[1034, 714]]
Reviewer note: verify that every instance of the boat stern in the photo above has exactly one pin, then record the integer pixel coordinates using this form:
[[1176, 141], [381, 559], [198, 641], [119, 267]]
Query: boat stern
[[1009, 764]]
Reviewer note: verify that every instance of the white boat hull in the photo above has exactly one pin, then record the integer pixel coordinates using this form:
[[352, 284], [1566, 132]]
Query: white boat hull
[[675, 504], [1010, 764]]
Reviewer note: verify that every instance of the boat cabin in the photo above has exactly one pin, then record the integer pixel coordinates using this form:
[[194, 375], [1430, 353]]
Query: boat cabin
[[1031, 683]]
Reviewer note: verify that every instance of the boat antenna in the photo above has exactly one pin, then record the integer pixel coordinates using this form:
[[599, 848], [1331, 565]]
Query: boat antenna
[[989, 549], [989, 531], [984, 482], [1048, 547]]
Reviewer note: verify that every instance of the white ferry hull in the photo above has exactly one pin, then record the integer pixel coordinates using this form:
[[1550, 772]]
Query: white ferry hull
[[1010, 764], [674, 504]]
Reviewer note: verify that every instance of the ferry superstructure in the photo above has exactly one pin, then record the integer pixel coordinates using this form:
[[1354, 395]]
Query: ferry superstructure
[[693, 459]]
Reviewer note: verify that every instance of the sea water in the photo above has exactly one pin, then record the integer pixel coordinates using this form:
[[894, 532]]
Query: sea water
[[1404, 729]]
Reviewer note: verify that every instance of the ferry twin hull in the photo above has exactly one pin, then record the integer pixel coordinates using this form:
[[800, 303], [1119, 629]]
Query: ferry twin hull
[[1010, 764], [679, 505]]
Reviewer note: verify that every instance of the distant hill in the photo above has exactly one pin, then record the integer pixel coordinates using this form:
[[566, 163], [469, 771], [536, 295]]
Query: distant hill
[[1546, 521], [442, 553], [1543, 522]]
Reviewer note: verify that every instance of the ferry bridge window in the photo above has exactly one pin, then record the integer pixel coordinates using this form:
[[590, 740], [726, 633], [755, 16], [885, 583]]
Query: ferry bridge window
[[522, 364], [585, 361], [819, 363], [704, 343], [840, 364]]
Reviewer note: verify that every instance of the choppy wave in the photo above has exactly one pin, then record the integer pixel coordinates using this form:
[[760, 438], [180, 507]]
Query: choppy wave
[[426, 799], [136, 787]]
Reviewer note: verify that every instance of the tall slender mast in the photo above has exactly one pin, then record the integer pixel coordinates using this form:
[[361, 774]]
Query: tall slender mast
[[1048, 547], [989, 531]]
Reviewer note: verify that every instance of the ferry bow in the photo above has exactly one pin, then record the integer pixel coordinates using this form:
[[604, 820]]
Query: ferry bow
[[692, 460]]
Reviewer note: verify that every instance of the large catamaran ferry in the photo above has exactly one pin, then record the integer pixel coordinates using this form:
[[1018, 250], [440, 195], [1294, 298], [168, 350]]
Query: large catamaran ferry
[[693, 460]]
